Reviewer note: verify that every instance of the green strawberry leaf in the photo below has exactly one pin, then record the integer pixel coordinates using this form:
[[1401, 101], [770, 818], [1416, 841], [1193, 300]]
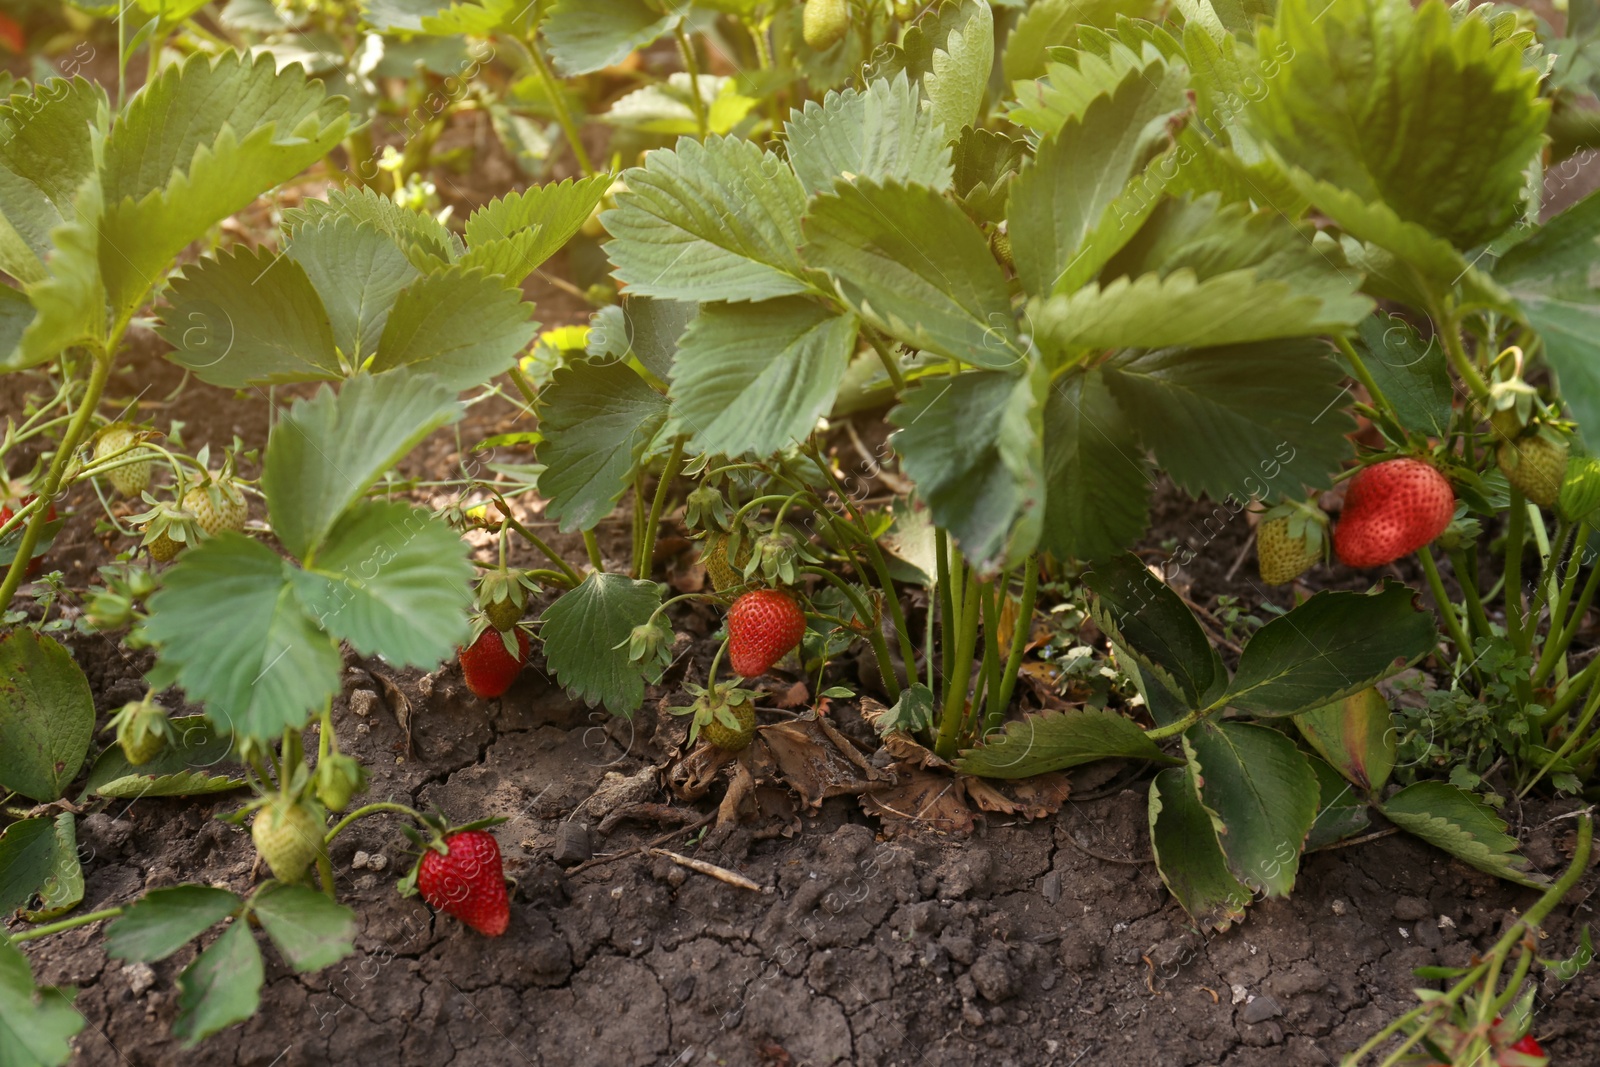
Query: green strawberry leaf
[[880, 134], [46, 157], [1056, 740], [1096, 484], [1405, 107], [197, 747], [587, 35], [460, 325], [984, 165], [1263, 792], [324, 452], [249, 317], [552, 213], [754, 378], [16, 315], [1462, 825], [948, 54], [1240, 420], [1067, 91], [1341, 811], [358, 271], [1151, 623], [230, 630], [164, 920], [1334, 645], [597, 422], [393, 582], [440, 19], [27, 858], [35, 1024], [1049, 24], [46, 715], [1553, 278], [972, 446], [175, 784], [62, 888], [311, 931], [197, 144], [713, 221], [585, 635], [649, 329], [911, 263], [221, 987], [1413, 374], [70, 303], [1070, 208], [1184, 838], [1355, 735], [423, 237]]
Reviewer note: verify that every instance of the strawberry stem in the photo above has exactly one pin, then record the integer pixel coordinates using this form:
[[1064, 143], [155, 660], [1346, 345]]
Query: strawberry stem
[[1447, 607], [372, 809], [652, 526]]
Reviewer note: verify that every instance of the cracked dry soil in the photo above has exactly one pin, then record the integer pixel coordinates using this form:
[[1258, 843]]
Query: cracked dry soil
[[1042, 943]]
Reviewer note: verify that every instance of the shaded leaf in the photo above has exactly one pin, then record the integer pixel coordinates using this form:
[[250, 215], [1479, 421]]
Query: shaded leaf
[[1333, 645], [1056, 740], [1148, 620], [597, 421], [35, 1024], [1264, 794], [1183, 836], [309, 930], [221, 987], [46, 715], [1356, 736], [1096, 484], [582, 631], [1462, 825], [164, 920]]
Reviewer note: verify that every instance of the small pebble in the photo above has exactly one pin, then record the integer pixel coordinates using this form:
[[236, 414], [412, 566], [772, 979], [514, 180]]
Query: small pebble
[[1260, 1009], [362, 701], [573, 845], [359, 861], [140, 977]]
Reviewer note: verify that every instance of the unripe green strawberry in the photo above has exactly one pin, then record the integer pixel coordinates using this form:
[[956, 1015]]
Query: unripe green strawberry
[[289, 837], [142, 730], [723, 715], [134, 478], [1282, 556], [734, 737], [724, 573], [338, 777], [217, 506], [164, 549], [1535, 466], [1000, 245], [825, 22]]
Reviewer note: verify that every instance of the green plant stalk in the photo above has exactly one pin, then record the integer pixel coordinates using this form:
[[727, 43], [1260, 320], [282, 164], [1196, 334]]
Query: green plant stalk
[[890, 365], [539, 543], [1576, 686], [1450, 333], [1363, 375], [1019, 642], [1516, 534], [653, 523], [993, 595], [559, 103], [1553, 647], [1447, 608], [638, 523], [1585, 718], [879, 565], [1530, 919], [691, 64], [64, 925], [949, 579], [955, 694], [1467, 578], [1569, 629], [591, 545], [927, 645], [98, 375], [369, 809], [525, 387], [864, 612], [325, 875]]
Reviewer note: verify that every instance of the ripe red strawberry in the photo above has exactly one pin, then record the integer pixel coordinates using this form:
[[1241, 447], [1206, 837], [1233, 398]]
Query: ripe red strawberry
[[1527, 1046], [12, 35], [467, 881], [1392, 509], [36, 564], [762, 626], [487, 666]]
